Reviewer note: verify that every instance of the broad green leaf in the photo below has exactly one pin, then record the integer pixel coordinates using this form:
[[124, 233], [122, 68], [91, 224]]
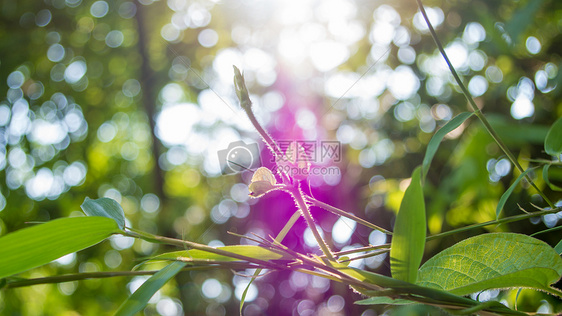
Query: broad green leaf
[[547, 180], [138, 300], [553, 141], [200, 255], [408, 239], [38, 245], [508, 192], [438, 137], [491, 261], [105, 207]]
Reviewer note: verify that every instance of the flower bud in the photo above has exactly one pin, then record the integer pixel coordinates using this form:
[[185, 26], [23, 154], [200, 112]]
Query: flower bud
[[241, 90], [262, 182]]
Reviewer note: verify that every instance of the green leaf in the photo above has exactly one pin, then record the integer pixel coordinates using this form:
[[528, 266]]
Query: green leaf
[[438, 137], [513, 135], [138, 300], [408, 240], [429, 295], [553, 140], [105, 207], [38, 245], [397, 287], [547, 180], [490, 261], [522, 19], [558, 247], [508, 192], [196, 255]]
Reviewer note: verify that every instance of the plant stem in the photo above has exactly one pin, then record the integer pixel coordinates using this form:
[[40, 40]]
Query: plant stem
[[297, 195], [385, 247], [75, 277], [184, 243], [264, 134], [504, 220], [111, 274], [343, 213], [475, 108], [494, 222], [373, 284], [246, 104]]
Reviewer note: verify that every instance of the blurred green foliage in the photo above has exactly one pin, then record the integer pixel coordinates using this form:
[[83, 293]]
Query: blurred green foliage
[[132, 100]]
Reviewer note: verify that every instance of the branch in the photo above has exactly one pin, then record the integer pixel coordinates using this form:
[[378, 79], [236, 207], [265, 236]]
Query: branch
[[475, 108]]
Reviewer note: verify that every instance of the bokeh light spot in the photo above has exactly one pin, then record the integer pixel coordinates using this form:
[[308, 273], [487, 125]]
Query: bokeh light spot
[[99, 9], [533, 45], [208, 38], [522, 107], [343, 230], [435, 16], [477, 86], [403, 83], [211, 288], [75, 71], [114, 38], [55, 53]]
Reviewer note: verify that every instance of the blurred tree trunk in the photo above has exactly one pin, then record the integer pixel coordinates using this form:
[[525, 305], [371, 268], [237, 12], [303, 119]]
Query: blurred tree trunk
[[149, 90]]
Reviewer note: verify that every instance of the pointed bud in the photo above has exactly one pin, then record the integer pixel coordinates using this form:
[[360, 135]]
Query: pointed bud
[[241, 90]]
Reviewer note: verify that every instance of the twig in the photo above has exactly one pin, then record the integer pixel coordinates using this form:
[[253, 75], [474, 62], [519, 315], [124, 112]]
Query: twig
[[475, 108]]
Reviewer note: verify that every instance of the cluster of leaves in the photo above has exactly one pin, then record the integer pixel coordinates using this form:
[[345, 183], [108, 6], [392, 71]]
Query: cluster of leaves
[[496, 260]]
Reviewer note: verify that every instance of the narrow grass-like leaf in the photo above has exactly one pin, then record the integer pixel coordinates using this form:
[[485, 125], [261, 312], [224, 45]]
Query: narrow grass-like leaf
[[420, 293], [438, 137], [491, 261], [200, 255], [507, 193], [408, 240], [138, 300], [381, 300], [547, 180], [553, 140], [37, 245], [105, 207]]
